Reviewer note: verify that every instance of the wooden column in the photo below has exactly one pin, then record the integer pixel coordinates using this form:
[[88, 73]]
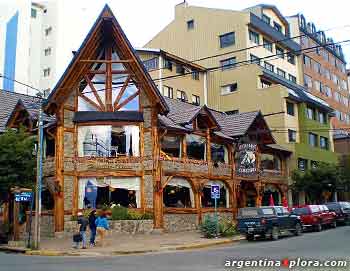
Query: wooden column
[[76, 154], [16, 225], [208, 145], [157, 184], [59, 201], [183, 148]]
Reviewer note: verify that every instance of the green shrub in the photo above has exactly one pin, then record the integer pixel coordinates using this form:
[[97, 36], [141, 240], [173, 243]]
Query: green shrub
[[119, 213], [133, 215], [208, 227], [227, 228], [147, 216]]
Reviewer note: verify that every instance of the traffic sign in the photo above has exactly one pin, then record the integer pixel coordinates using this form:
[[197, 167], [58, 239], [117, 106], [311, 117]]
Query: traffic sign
[[215, 191], [23, 196]]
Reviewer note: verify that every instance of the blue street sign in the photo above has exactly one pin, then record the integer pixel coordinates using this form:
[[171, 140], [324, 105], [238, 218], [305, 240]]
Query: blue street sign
[[23, 196], [215, 191]]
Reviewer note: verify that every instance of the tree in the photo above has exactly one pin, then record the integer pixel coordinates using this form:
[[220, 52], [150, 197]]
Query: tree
[[17, 162], [314, 182]]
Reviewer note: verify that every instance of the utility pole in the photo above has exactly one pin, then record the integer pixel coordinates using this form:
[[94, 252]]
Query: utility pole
[[39, 174]]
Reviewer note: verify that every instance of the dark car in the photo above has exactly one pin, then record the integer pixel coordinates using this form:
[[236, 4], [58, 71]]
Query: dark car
[[342, 211], [268, 222], [315, 216]]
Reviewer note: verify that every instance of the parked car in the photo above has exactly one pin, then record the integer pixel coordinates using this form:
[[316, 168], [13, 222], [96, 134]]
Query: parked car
[[342, 211], [268, 222], [315, 216]]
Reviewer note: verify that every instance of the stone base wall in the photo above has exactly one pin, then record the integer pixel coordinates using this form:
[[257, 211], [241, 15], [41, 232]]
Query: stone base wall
[[180, 222], [118, 226], [225, 215], [47, 227]]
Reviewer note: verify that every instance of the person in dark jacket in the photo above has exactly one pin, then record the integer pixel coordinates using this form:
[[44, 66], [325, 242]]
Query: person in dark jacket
[[92, 226]]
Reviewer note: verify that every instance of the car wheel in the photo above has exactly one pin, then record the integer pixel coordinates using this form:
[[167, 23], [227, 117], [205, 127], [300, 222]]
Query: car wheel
[[298, 229], [275, 233], [334, 224], [249, 237], [318, 227]]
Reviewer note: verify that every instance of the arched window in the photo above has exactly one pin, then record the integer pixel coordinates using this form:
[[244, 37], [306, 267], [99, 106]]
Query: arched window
[[178, 194], [302, 22], [208, 202]]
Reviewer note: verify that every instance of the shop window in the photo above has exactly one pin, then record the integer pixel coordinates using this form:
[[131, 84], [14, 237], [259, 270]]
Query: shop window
[[270, 162], [171, 146], [102, 191], [208, 202], [178, 194], [196, 148], [108, 141], [218, 153]]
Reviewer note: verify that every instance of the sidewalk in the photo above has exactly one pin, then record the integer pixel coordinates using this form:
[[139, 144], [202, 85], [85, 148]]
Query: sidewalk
[[123, 244]]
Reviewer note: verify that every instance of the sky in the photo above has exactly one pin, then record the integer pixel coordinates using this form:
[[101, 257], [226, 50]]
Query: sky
[[143, 19]]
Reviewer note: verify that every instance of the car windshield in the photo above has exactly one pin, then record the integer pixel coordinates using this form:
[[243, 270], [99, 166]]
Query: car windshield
[[249, 212], [301, 211], [314, 208], [345, 205], [267, 211]]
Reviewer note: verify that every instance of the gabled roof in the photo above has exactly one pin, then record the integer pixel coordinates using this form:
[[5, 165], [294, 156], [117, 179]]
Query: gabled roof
[[8, 102], [105, 24], [228, 126]]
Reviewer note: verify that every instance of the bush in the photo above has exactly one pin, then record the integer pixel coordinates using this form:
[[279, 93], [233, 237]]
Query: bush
[[147, 216], [133, 215], [226, 227], [119, 213], [208, 227]]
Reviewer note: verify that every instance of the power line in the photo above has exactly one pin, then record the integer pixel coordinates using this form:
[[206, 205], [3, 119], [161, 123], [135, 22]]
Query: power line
[[18, 82], [236, 65]]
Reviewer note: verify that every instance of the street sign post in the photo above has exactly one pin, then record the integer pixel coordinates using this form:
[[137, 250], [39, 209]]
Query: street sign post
[[215, 194]]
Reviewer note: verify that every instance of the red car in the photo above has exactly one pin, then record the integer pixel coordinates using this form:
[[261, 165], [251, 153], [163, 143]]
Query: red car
[[315, 216]]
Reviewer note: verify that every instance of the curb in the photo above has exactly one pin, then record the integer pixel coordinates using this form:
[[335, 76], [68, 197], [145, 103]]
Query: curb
[[129, 252], [13, 249]]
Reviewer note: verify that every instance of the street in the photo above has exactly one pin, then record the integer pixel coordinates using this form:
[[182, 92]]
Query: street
[[328, 244]]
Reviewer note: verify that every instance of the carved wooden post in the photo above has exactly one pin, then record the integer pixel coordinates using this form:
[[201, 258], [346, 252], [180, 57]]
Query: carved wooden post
[[59, 200], [184, 147]]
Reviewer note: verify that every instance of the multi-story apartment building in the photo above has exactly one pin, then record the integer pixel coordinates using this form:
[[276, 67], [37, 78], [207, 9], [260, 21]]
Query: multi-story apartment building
[[31, 35], [254, 63], [324, 68], [166, 69]]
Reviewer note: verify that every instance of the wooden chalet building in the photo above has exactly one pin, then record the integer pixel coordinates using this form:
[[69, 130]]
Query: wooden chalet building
[[115, 132]]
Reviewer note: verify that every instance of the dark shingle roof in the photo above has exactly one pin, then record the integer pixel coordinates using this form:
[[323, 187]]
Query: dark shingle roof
[[8, 101], [180, 113]]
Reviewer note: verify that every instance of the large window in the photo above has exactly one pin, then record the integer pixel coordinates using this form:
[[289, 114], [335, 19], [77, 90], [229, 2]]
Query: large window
[[291, 58], [269, 66], [290, 108], [266, 19], [307, 81], [218, 153], [281, 72], [208, 202], [190, 24], [322, 117], [310, 113], [196, 99], [323, 142], [101, 191], [227, 39], [307, 61], [302, 164], [253, 37], [108, 141], [292, 136], [267, 44], [277, 26], [279, 52], [313, 140], [171, 146], [270, 162], [228, 63], [196, 148], [181, 95], [168, 92], [151, 64], [227, 89], [178, 194]]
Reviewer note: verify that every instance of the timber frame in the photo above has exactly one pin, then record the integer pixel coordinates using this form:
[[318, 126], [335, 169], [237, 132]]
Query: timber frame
[[160, 117]]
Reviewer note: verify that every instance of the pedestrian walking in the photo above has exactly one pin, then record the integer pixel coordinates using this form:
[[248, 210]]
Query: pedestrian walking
[[102, 226], [92, 226], [82, 224]]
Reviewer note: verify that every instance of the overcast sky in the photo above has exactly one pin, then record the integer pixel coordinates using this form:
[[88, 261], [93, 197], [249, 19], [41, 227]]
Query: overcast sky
[[142, 19]]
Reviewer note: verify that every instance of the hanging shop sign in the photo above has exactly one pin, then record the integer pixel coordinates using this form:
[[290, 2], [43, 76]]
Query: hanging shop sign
[[246, 162]]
